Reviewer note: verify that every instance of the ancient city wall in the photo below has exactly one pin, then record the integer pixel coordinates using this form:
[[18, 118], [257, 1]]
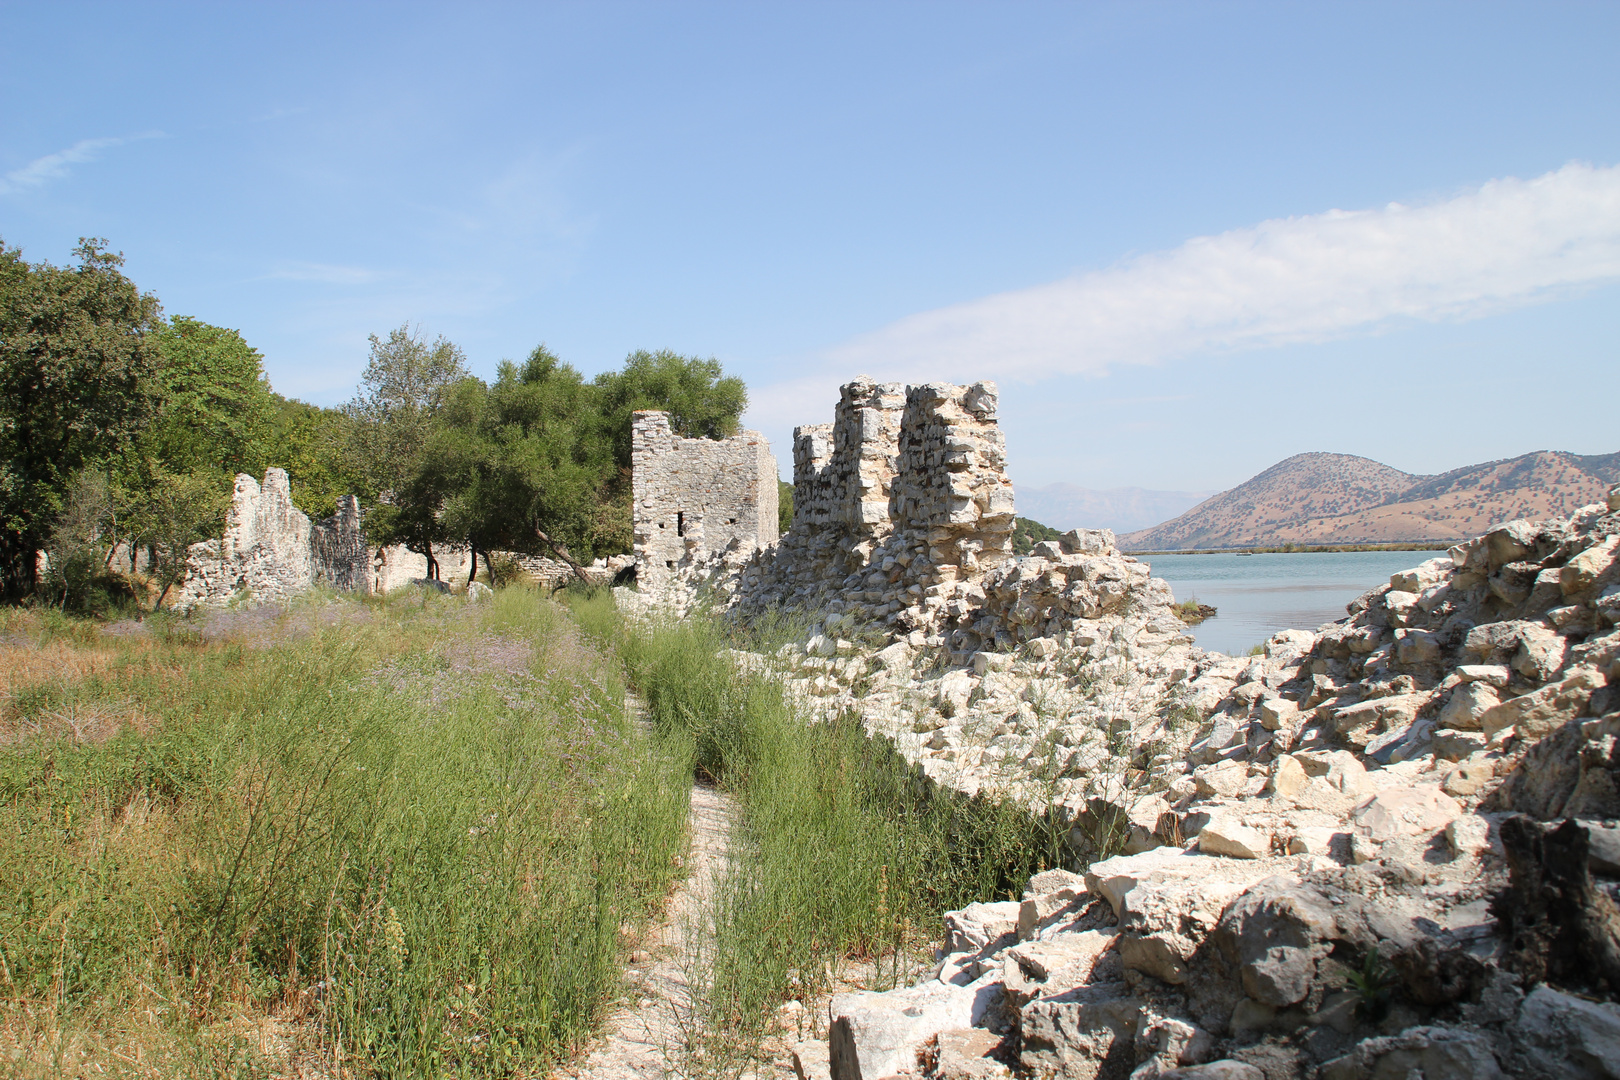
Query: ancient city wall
[[271, 550], [694, 497], [902, 505]]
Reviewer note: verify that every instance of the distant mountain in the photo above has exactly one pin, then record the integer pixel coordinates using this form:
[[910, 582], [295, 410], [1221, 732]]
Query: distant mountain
[[1343, 499], [1067, 506]]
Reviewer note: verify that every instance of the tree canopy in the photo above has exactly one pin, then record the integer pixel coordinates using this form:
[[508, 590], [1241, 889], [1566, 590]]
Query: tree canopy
[[79, 378], [120, 430], [702, 401]]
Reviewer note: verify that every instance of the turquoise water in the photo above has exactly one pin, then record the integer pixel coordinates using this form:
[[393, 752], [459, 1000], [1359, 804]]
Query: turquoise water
[[1257, 595]]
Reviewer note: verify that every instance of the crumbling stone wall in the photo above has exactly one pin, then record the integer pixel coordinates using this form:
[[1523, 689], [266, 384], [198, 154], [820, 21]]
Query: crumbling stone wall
[[901, 506], [842, 471], [271, 550], [952, 490], [694, 497]]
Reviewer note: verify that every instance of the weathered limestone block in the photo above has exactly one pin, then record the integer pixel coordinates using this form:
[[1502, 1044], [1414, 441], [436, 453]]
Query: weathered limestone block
[[1435, 1053], [1081, 1034], [271, 552], [879, 1034]]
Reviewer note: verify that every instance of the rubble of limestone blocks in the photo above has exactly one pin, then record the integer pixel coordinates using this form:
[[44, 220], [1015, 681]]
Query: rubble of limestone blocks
[[1388, 848], [1339, 858]]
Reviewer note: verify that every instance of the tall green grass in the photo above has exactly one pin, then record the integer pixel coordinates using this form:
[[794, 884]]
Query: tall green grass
[[845, 852], [420, 830]]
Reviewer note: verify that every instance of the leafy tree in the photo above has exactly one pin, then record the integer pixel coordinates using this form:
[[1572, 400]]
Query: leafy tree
[[702, 401], [314, 445], [391, 421], [784, 507], [77, 541], [537, 462], [216, 409], [174, 511], [406, 381], [79, 362], [533, 462], [213, 416]]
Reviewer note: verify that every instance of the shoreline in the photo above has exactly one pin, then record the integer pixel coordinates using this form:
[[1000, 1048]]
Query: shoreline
[[1303, 549]]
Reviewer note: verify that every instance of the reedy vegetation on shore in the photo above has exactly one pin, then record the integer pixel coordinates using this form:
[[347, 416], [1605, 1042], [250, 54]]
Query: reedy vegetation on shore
[[412, 831]]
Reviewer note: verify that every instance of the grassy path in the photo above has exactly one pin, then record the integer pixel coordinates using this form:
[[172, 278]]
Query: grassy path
[[843, 857], [653, 1033]]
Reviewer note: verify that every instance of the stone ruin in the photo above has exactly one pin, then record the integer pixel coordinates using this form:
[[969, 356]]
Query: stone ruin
[[903, 518], [1388, 848], [272, 551], [900, 504], [693, 497]]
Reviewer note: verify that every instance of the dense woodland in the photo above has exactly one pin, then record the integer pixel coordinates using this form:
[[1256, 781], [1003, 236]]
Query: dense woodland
[[121, 430]]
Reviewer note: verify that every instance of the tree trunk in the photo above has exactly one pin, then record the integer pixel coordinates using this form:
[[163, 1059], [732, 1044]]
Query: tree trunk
[[489, 569], [562, 553], [432, 563], [472, 564]]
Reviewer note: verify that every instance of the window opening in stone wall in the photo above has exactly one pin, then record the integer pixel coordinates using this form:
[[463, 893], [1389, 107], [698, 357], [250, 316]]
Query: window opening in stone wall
[[670, 563], [680, 523], [731, 521]]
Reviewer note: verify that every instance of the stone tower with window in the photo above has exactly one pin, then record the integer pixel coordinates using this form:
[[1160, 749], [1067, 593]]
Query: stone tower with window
[[694, 497]]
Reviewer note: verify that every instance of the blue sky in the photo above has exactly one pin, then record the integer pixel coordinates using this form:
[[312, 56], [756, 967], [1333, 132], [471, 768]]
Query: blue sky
[[1123, 213]]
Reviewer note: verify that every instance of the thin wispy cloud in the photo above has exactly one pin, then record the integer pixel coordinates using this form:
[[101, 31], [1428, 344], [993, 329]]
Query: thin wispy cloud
[[41, 171], [1284, 281], [323, 273]]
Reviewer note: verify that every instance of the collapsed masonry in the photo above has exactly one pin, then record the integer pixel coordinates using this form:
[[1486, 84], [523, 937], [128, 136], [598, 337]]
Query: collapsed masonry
[[1339, 858], [693, 497], [271, 550], [903, 517]]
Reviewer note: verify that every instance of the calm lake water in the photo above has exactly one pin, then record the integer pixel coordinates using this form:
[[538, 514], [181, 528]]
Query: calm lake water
[[1257, 595]]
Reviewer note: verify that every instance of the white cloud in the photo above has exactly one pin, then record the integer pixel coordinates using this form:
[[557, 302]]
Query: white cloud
[[41, 171], [1283, 281]]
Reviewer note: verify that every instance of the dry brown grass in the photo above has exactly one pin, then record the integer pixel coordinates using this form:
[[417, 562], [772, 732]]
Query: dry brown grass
[[139, 1039], [25, 664]]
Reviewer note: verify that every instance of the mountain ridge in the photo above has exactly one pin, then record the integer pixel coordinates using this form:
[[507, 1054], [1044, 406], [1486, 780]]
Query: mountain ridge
[[1327, 498]]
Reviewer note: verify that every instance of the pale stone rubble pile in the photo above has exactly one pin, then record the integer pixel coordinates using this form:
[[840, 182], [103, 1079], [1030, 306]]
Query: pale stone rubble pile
[[1293, 856], [1328, 811]]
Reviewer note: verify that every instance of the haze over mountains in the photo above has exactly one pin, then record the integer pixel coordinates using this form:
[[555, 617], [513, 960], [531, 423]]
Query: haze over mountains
[[1323, 498], [1069, 506]]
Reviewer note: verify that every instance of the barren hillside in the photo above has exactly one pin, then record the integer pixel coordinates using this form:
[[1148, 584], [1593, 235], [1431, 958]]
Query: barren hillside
[[1342, 499]]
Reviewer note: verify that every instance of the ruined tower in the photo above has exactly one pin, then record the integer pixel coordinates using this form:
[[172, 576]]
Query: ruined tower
[[694, 497]]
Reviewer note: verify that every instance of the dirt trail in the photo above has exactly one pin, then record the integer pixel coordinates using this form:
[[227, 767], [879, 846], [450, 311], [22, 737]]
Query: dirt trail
[[647, 1035]]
